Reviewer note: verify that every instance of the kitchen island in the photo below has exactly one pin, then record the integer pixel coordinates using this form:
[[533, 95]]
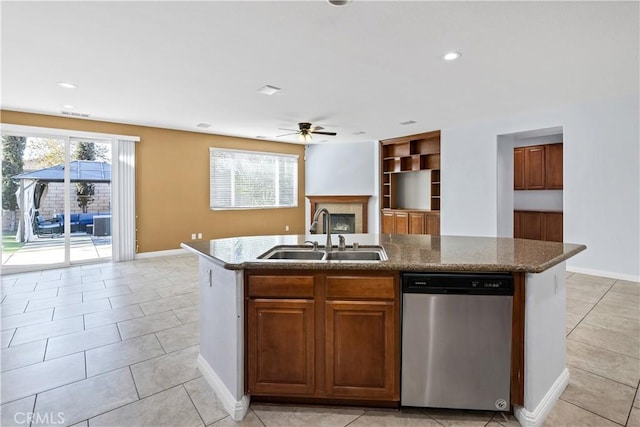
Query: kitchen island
[[239, 292]]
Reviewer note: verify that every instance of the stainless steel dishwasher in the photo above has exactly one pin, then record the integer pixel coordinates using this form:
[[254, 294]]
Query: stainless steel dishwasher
[[456, 340]]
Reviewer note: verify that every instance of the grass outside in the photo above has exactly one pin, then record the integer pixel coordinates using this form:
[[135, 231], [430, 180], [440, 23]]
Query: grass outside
[[9, 244]]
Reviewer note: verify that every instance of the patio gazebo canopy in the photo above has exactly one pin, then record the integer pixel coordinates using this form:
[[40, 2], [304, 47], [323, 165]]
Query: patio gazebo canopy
[[79, 171]]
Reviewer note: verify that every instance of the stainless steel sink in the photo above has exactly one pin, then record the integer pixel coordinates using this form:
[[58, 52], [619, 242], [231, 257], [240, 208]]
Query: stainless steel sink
[[307, 254], [360, 255], [295, 255]]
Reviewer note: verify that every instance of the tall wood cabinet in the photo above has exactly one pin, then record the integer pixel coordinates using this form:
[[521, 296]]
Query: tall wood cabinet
[[330, 335], [412, 153]]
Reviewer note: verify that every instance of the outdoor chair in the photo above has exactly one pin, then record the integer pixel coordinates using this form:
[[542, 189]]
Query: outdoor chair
[[43, 227]]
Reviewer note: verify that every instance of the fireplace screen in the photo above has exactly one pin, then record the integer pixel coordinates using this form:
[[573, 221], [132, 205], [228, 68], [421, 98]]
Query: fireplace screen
[[343, 223]]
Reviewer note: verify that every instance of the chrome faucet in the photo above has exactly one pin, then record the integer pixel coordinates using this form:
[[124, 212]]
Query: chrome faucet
[[327, 226]]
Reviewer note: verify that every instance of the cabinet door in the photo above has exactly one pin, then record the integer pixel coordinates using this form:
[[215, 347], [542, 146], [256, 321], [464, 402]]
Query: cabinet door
[[416, 223], [280, 347], [517, 231], [531, 225], [553, 166], [518, 169], [553, 231], [433, 224], [388, 222], [534, 168], [361, 349], [402, 223]]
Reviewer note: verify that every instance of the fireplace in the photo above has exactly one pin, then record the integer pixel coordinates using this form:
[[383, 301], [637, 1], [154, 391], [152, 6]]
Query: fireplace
[[348, 213]]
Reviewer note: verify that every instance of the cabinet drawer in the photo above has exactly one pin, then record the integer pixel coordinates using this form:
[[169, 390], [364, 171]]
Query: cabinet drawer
[[281, 286], [361, 287]]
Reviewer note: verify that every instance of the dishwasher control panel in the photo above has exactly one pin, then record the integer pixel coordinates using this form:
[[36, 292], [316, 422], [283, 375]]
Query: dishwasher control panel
[[458, 283]]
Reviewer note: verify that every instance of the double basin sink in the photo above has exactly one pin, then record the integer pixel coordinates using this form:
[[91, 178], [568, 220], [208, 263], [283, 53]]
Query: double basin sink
[[309, 254]]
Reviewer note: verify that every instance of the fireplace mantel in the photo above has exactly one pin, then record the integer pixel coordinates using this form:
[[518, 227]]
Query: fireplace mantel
[[361, 201]]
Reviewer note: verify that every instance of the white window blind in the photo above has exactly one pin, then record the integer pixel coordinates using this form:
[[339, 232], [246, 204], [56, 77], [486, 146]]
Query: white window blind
[[252, 180]]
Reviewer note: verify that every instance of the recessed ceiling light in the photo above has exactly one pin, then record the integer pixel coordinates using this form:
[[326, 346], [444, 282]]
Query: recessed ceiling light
[[268, 90], [203, 125], [339, 2], [67, 85], [451, 56], [408, 122], [68, 106]]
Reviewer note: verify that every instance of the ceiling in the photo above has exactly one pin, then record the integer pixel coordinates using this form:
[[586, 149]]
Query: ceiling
[[365, 67]]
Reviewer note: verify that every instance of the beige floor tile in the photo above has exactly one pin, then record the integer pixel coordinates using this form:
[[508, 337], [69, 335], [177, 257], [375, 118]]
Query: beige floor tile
[[18, 356], [634, 418], [105, 293], [85, 399], [82, 308], [572, 320], [589, 294], [179, 337], [585, 278], [619, 298], [18, 289], [83, 340], [609, 319], [58, 301], [565, 414], [394, 418], [188, 314], [14, 414], [134, 298], [636, 402], [608, 364], [175, 290], [597, 336], [30, 296], [148, 324], [23, 382], [290, 416], [627, 287], [599, 395], [47, 330], [166, 371], [83, 287], [63, 282], [503, 419], [120, 354], [114, 315], [205, 400], [460, 417], [13, 308], [628, 311], [577, 307], [84, 423], [26, 319], [166, 304], [166, 409], [251, 420], [5, 337]]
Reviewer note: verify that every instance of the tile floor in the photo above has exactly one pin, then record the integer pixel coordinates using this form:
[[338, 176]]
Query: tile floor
[[116, 344]]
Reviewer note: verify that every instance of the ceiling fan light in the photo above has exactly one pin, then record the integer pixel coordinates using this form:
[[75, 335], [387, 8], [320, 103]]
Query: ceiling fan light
[[304, 137]]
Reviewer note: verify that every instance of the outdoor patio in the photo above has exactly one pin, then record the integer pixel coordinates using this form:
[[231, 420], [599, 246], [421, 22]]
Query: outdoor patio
[[50, 250]]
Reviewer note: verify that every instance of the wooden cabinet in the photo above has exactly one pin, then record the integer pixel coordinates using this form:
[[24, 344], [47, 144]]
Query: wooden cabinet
[[538, 225], [330, 335], [405, 154], [553, 167], [399, 221], [538, 167]]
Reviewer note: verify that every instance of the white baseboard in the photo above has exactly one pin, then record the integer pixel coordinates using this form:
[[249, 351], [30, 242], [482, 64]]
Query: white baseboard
[[236, 408], [536, 417], [601, 273], [169, 252]]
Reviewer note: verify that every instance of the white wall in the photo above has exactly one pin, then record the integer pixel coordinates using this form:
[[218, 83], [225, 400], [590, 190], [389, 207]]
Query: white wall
[[344, 169], [601, 180]]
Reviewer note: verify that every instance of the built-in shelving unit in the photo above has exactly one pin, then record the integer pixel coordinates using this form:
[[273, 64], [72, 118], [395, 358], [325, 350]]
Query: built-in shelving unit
[[412, 153]]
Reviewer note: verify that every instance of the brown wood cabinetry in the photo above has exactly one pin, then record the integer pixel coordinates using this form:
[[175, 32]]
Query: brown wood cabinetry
[[324, 335], [538, 167], [538, 225], [398, 221]]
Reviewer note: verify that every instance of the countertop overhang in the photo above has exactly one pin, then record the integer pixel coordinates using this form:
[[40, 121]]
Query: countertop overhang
[[405, 252]]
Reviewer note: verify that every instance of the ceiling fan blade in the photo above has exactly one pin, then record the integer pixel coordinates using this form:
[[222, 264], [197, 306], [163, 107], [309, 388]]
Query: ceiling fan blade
[[324, 133], [286, 134], [315, 128], [292, 130]]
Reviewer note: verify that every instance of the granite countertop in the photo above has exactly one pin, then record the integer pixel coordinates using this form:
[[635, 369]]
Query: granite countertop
[[405, 252]]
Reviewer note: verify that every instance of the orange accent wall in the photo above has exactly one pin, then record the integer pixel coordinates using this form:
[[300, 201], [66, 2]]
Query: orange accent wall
[[172, 183]]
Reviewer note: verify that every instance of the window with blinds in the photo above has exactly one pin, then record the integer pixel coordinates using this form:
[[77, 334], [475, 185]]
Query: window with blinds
[[252, 180]]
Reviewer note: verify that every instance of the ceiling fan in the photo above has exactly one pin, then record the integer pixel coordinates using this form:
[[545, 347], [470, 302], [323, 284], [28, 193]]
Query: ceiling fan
[[306, 129]]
